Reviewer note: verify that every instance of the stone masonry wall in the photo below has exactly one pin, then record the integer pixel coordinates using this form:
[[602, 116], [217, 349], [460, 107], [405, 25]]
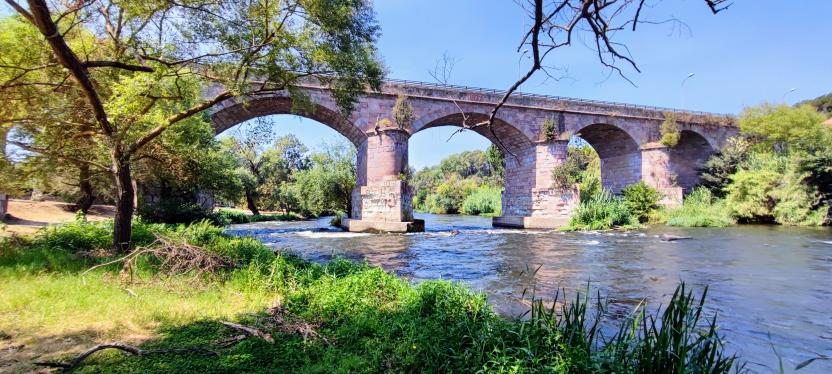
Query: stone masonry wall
[[387, 201]]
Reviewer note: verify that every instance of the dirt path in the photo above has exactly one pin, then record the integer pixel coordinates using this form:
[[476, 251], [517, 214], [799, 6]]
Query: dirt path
[[27, 217]]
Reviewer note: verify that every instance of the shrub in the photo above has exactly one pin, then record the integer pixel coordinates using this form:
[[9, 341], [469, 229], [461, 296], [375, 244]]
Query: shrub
[[174, 211], [574, 168], [600, 212], [669, 130], [700, 209], [716, 173], [485, 200], [641, 199], [750, 193], [448, 196]]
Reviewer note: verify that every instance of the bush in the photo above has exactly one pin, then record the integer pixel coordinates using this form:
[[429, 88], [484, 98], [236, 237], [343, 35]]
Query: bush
[[669, 130], [600, 212], [699, 209], [485, 200], [750, 193], [448, 196], [716, 173], [174, 211], [641, 199], [574, 168]]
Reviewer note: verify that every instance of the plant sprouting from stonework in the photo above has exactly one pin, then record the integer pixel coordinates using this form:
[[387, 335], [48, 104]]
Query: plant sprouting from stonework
[[403, 112], [669, 130], [549, 131]]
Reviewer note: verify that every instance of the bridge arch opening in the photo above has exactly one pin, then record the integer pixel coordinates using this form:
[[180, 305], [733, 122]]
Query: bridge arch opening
[[619, 153], [235, 112], [318, 139], [687, 158], [444, 174]]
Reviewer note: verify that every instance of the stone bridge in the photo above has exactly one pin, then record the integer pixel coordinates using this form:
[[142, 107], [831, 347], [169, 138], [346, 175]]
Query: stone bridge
[[625, 136]]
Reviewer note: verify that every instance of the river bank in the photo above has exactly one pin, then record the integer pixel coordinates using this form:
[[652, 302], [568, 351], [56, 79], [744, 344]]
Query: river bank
[[243, 307], [767, 281]]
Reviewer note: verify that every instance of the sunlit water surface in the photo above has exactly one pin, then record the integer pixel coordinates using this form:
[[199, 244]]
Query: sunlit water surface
[[770, 285]]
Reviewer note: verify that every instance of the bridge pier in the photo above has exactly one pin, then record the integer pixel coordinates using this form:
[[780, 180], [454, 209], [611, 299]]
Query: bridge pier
[[529, 199], [382, 200], [657, 171]]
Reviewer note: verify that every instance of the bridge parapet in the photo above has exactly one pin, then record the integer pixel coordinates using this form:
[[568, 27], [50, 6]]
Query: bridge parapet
[[537, 101]]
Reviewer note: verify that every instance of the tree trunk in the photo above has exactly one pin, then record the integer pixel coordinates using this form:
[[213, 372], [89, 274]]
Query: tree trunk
[[87, 197], [252, 205], [122, 227]]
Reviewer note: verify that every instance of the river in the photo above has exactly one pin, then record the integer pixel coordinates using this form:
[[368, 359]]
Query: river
[[770, 285]]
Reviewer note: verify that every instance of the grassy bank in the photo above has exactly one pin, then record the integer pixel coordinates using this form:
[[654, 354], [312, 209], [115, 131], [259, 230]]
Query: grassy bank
[[338, 317]]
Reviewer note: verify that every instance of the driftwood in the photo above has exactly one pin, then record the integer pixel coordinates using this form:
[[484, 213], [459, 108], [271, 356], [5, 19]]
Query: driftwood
[[176, 256], [130, 349], [249, 331], [136, 351]]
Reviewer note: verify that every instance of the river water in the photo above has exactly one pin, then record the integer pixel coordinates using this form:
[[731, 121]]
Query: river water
[[770, 285]]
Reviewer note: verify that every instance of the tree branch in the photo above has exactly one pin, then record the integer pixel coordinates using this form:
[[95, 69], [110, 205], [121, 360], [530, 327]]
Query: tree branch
[[152, 134], [117, 65], [42, 19]]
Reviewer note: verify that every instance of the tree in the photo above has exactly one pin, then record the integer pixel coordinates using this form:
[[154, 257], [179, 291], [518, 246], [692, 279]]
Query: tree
[[783, 128], [822, 103], [715, 175], [326, 186], [497, 161], [143, 68]]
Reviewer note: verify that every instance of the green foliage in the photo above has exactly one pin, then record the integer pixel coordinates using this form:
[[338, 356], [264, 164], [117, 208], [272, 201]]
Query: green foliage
[[444, 188], [600, 212], [173, 210], [578, 167], [549, 131], [716, 173], [345, 316], [750, 194], [497, 161], [641, 200], [485, 200], [699, 209], [224, 217], [403, 112], [821, 103], [783, 128], [326, 186], [669, 130], [448, 196]]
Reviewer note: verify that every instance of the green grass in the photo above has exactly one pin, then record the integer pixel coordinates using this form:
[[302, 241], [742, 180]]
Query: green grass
[[602, 211], [338, 317], [227, 217], [699, 209]]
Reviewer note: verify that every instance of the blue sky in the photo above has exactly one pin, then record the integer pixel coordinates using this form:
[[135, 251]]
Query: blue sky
[[754, 52]]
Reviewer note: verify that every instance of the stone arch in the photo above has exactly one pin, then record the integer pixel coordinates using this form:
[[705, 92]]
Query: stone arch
[[688, 156], [235, 111], [514, 140], [620, 154]]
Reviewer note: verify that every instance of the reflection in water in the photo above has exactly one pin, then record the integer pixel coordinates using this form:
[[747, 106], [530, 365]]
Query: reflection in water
[[769, 284]]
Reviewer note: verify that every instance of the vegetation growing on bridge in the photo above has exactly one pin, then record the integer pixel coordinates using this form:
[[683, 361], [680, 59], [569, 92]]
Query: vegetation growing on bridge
[[234, 305]]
